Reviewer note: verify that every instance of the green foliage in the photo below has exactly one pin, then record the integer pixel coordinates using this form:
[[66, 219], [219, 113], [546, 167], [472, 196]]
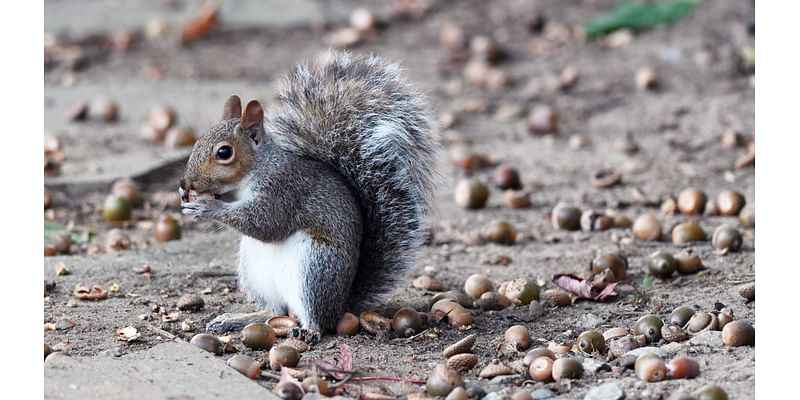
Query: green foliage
[[639, 16], [647, 281]]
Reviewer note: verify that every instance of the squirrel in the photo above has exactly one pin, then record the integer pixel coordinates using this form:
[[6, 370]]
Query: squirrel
[[333, 187]]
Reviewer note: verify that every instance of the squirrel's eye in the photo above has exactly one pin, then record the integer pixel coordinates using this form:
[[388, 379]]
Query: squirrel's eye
[[224, 152]]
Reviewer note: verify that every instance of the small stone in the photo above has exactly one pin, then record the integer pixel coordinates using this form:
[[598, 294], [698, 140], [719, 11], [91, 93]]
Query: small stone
[[674, 347], [707, 338], [536, 309], [655, 350], [592, 366], [190, 302], [505, 379], [607, 391], [542, 394]]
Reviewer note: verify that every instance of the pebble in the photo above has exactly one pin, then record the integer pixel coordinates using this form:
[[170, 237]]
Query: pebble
[[607, 391], [590, 320], [707, 338], [592, 366], [542, 394], [674, 347], [654, 350], [505, 379]]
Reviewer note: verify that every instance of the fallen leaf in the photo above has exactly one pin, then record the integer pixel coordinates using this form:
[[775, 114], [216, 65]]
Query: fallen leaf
[[345, 359], [96, 292], [200, 25], [583, 288]]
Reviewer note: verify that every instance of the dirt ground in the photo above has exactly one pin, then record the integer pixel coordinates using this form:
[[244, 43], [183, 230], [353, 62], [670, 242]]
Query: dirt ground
[[677, 129]]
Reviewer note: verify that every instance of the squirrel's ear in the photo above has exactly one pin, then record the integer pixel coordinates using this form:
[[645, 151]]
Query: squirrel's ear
[[253, 120], [232, 108]]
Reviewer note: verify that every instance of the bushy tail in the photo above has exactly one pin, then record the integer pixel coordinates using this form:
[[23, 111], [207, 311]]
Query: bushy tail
[[358, 114]]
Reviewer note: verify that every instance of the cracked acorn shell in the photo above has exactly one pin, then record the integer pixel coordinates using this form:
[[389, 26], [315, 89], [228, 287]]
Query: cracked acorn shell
[[590, 342], [673, 333], [614, 262], [495, 368], [282, 324], [374, 323], [493, 301], [462, 346], [650, 327], [650, 368], [701, 322], [462, 362], [615, 333]]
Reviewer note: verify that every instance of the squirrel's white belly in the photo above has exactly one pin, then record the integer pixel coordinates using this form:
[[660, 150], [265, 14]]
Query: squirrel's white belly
[[273, 272]]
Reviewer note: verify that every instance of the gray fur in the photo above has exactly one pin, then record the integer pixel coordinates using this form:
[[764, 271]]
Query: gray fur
[[358, 115]]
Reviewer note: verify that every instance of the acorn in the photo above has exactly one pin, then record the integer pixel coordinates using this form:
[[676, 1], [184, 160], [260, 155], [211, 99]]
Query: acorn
[[502, 233], [622, 221], [477, 284], [521, 395], [283, 324], [646, 79], [506, 177], [748, 292], [536, 353], [461, 298], [406, 322], [61, 242], [521, 291], [682, 368], [283, 356], [190, 302], [104, 109], [128, 189], [374, 323], [542, 120], [650, 327], [471, 194], [680, 316], [493, 301], [650, 368], [457, 394], [730, 202], [207, 342], [518, 337], [116, 208], [661, 264], [517, 198], [710, 392], [738, 333], [452, 37], [673, 333], [567, 368], [701, 322], [442, 380], [557, 297], [348, 325], [246, 365], [724, 317], [462, 362], [182, 136], [258, 336], [606, 178], [692, 201], [647, 228], [167, 228], [49, 250], [541, 369], [614, 262], [462, 346], [316, 384], [161, 118], [747, 217], [117, 240], [495, 368], [687, 262], [288, 390], [687, 232], [590, 342], [457, 315], [727, 238], [566, 217]]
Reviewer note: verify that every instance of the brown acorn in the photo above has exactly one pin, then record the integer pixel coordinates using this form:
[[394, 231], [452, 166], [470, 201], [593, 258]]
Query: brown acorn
[[207, 342], [739, 333], [246, 365], [673, 333], [283, 356], [407, 322], [61, 242], [614, 262], [687, 262], [374, 323], [682, 368], [680, 316], [687, 232], [462, 346], [590, 342], [495, 368], [650, 327], [442, 380], [647, 228], [661, 264], [348, 325], [506, 177], [541, 369], [258, 336], [129, 189], [116, 208], [710, 392], [167, 228], [748, 292], [701, 322], [557, 297], [48, 199], [517, 198], [532, 355], [692, 201], [477, 284], [542, 120], [493, 301], [730, 202], [502, 233], [471, 194], [518, 337], [727, 238], [567, 368], [180, 137], [650, 368], [566, 217]]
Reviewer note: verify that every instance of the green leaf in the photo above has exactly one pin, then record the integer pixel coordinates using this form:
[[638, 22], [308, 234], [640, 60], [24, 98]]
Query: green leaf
[[77, 236], [646, 282], [640, 16]]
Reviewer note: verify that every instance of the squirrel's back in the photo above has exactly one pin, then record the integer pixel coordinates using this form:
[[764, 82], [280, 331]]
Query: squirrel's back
[[359, 115]]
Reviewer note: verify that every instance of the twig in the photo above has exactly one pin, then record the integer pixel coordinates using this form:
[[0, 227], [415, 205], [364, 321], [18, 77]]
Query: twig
[[161, 331]]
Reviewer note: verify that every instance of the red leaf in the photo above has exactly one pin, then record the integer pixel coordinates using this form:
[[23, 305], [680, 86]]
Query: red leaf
[[582, 288], [345, 359]]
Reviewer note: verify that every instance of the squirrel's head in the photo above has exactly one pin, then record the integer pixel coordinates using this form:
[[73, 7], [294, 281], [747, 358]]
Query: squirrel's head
[[224, 156]]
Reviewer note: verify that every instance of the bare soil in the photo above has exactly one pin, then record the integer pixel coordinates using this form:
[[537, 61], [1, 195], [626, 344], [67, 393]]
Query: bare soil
[[677, 129]]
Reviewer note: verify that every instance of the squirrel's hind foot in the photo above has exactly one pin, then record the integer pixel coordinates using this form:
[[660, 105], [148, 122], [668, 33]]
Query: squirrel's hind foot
[[309, 336], [234, 322]]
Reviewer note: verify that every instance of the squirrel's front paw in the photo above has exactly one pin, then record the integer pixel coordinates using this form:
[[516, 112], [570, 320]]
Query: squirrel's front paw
[[200, 209], [309, 336]]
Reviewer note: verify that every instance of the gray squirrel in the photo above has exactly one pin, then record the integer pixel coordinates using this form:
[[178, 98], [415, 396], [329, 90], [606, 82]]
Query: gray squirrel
[[333, 184]]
